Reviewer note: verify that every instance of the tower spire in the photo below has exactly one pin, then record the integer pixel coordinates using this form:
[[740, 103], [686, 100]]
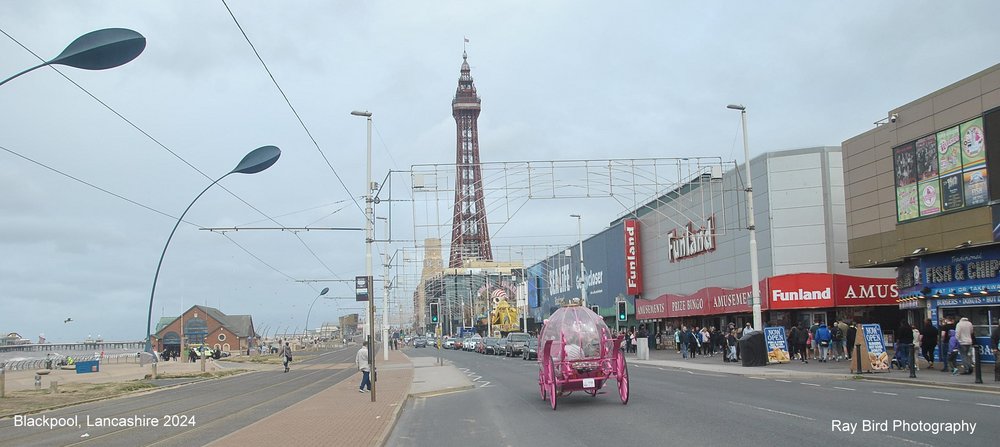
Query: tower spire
[[470, 237]]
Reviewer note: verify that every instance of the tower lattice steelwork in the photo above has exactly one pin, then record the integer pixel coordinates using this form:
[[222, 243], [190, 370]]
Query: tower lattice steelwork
[[470, 236]]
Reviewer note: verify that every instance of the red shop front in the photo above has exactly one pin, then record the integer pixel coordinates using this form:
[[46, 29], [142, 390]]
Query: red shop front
[[786, 299]]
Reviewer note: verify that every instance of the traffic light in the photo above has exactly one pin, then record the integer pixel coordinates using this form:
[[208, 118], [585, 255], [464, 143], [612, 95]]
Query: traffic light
[[434, 313], [622, 311]]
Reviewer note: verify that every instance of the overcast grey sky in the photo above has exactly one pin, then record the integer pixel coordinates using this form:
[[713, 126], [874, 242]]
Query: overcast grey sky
[[559, 80]]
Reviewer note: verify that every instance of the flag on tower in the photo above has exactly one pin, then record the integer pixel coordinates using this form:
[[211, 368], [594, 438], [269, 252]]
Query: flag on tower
[[466, 40]]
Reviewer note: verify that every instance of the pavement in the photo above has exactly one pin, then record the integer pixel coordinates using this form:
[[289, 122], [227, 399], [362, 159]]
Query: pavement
[[831, 369]]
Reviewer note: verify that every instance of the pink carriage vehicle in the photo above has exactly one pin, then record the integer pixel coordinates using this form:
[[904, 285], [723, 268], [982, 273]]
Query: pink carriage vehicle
[[578, 353]]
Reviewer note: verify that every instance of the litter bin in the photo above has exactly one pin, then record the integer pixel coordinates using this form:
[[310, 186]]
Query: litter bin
[[91, 366], [753, 350]]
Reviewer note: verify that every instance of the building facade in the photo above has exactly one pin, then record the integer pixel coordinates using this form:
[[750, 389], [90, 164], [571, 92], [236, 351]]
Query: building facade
[[920, 198], [698, 272], [205, 325]]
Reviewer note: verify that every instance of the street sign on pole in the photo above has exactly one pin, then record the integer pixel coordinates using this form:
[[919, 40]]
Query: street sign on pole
[[362, 288]]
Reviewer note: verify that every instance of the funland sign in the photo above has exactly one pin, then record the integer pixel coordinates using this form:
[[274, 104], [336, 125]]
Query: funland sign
[[794, 291]]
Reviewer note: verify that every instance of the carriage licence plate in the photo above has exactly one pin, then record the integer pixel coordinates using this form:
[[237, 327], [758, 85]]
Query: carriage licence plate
[[588, 383]]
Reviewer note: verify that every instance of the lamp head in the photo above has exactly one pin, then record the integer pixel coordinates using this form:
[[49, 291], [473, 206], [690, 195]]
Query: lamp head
[[325, 289], [736, 107], [257, 160], [102, 49], [361, 113]]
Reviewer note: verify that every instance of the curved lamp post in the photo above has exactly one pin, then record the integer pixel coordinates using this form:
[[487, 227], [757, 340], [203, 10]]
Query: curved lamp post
[[97, 50], [257, 160], [325, 289]]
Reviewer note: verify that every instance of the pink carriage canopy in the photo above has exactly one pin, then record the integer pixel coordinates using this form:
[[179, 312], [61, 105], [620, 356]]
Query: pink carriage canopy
[[583, 332]]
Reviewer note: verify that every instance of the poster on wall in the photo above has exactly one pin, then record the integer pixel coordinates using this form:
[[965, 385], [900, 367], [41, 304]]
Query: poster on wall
[[930, 197], [874, 343], [951, 192], [973, 143], [906, 202], [903, 161], [976, 192], [949, 151], [777, 344], [927, 158]]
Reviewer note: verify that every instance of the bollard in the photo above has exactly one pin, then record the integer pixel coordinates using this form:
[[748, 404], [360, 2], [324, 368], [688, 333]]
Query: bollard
[[979, 363], [857, 355], [38, 382], [913, 362], [154, 370], [54, 387], [3, 379], [202, 363]]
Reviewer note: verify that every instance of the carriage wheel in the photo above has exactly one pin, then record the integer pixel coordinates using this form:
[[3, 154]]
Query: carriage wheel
[[622, 376], [552, 384], [541, 382]]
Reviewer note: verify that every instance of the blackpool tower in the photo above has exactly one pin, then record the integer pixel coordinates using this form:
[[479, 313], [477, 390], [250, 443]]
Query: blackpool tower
[[470, 236]]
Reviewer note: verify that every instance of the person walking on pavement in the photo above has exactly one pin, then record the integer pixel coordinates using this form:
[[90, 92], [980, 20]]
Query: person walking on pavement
[[947, 331], [286, 352], [928, 341], [823, 338], [963, 331], [852, 334], [904, 341], [362, 361]]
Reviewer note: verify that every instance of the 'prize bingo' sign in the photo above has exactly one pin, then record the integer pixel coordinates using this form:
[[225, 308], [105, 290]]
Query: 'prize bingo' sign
[[777, 345], [877, 357]]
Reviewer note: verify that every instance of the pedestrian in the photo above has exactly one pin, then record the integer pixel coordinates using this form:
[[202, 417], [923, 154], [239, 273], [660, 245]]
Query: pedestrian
[[928, 341], [683, 337], [677, 341], [904, 341], [731, 344], [842, 325], [362, 361], [823, 338], [852, 334], [995, 340], [837, 339], [693, 343], [814, 345], [952, 352], [947, 329], [286, 352], [963, 331]]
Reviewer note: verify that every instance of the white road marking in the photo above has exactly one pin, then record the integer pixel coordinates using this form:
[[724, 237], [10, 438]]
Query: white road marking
[[883, 392], [484, 385], [907, 440], [774, 411], [990, 405], [758, 378], [783, 380], [476, 379], [933, 398], [845, 389], [809, 384]]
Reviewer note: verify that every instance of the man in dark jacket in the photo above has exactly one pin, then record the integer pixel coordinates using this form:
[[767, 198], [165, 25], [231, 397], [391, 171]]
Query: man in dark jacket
[[928, 341], [947, 325], [904, 342]]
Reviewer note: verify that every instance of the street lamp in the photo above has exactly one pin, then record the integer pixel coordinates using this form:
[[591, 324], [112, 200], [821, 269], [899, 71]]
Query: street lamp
[[754, 274], [369, 219], [97, 50], [323, 292], [583, 270], [257, 160]]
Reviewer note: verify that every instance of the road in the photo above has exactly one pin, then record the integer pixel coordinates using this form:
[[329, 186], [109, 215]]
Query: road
[[205, 410], [676, 407]]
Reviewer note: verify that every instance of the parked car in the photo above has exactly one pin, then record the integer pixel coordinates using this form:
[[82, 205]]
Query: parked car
[[471, 343], [490, 345], [530, 352], [516, 341], [449, 343], [501, 346], [420, 342]]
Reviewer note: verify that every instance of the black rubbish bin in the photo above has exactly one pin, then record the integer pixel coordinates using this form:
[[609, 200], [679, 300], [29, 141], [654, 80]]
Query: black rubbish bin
[[753, 350]]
